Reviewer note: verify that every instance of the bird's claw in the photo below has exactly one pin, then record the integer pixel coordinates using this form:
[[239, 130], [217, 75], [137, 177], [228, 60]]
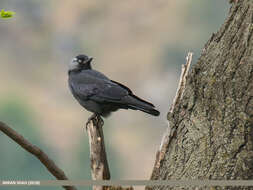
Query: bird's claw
[[101, 120], [94, 116]]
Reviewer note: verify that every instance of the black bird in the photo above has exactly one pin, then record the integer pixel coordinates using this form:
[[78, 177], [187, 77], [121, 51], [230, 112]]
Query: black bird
[[100, 95]]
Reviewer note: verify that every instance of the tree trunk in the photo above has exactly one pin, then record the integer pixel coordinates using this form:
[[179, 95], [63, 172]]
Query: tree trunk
[[211, 134]]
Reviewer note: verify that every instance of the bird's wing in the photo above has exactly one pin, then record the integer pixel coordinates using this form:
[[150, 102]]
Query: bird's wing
[[83, 91], [123, 86], [100, 90], [130, 93], [110, 92]]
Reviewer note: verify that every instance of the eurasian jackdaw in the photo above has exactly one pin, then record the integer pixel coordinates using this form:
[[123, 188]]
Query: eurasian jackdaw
[[100, 95]]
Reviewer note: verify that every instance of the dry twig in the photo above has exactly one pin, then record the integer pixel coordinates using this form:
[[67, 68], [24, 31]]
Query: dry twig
[[99, 164], [179, 94]]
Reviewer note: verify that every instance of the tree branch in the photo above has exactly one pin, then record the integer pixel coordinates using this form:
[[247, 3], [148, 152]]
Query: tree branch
[[37, 152], [99, 165]]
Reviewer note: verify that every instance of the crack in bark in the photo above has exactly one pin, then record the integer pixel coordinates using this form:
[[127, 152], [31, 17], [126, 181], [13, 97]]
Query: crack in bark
[[246, 89], [230, 136], [250, 34], [238, 26], [240, 147], [247, 104], [227, 23]]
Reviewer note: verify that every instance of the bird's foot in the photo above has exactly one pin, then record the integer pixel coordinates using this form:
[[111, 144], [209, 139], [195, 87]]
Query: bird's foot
[[93, 116], [101, 120], [97, 119]]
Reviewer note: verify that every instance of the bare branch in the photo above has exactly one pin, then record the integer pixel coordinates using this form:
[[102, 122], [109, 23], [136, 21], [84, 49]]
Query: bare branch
[[36, 151], [182, 81], [99, 165]]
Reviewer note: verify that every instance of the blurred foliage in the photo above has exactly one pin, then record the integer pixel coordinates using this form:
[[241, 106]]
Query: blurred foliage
[[116, 169], [203, 17], [172, 56], [207, 14], [82, 167], [17, 113], [6, 14]]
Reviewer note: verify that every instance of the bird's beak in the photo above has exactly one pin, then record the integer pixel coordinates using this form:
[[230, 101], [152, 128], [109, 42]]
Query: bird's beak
[[90, 59]]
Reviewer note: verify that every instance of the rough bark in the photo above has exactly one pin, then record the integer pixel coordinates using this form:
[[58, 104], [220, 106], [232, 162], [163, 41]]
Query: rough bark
[[211, 134]]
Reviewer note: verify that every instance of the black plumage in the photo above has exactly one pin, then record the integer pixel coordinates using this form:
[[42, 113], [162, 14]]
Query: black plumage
[[100, 95]]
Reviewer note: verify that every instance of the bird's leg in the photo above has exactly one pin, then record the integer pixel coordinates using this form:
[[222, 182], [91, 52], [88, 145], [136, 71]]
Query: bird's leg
[[93, 116], [100, 119]]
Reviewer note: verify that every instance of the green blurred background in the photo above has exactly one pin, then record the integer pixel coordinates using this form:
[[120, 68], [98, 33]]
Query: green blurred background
[[141, 44]]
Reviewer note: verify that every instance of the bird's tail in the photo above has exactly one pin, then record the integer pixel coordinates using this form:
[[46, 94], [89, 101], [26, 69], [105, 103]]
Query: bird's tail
[[137, 103]]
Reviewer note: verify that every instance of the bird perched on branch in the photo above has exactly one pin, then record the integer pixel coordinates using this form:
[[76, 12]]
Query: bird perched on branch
[[100, 95]]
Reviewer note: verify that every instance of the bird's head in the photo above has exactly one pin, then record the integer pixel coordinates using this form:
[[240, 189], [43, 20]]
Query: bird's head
[[80, 62]]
